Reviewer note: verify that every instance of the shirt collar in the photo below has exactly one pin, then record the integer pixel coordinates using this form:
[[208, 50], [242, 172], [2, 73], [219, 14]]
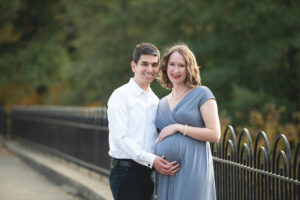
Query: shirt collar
[[137, 89]]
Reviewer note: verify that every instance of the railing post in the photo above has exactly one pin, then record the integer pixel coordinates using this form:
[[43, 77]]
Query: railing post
[[3, 122]]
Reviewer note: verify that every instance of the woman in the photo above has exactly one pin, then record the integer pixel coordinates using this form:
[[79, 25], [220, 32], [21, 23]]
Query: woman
[[187, 120]]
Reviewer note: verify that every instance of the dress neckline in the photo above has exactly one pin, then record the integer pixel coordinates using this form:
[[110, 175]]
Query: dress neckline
[[175, 107]]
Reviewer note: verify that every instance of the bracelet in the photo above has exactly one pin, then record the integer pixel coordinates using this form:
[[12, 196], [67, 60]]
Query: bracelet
[[185, 130]]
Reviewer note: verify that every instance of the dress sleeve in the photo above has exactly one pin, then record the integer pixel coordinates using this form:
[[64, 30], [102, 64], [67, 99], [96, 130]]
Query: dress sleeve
[[205, 94]]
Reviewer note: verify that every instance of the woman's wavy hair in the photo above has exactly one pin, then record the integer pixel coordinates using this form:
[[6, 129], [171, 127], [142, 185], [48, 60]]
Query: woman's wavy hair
[[192, 78]]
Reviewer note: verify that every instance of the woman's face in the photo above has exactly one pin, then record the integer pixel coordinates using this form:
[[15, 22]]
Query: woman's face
[[176, 69]]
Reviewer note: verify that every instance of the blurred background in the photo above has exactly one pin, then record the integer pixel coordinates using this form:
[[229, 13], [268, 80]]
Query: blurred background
[[62, 52]]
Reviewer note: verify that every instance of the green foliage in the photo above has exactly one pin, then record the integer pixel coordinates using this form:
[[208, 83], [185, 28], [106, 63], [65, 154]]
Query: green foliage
[[78, 52], [33, 55]]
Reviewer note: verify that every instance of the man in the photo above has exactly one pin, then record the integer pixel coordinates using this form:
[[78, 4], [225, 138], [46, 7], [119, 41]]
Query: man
[[132, 132]]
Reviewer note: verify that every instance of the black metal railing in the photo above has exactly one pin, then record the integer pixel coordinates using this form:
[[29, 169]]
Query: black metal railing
[[3, 117], [262, 173], [243, 169], [79, 134]]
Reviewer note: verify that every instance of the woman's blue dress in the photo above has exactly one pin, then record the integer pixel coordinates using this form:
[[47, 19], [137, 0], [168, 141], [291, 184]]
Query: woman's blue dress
[[195, 179]]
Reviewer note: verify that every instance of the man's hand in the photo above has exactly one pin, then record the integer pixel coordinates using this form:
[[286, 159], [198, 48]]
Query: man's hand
[[164, 167]]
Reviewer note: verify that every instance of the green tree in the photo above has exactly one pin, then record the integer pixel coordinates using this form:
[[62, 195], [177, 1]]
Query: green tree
[[248, 51]]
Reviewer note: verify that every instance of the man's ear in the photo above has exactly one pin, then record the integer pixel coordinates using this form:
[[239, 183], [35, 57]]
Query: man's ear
[[133, 66]]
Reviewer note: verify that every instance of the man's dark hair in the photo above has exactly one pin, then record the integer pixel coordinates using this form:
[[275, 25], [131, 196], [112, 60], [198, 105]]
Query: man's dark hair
[[145, 48]]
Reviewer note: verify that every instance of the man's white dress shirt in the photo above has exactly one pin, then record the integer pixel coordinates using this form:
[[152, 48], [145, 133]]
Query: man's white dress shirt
[[131, 122]]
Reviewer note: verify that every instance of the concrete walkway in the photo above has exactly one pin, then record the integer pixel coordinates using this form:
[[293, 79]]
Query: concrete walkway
[[18, 181], [26, 173]]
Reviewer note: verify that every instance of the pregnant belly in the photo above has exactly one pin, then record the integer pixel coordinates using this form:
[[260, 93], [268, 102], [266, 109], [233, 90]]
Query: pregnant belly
[[169, 147]]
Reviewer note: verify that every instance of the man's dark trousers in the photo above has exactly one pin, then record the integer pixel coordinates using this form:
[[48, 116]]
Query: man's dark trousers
[[131, 183]]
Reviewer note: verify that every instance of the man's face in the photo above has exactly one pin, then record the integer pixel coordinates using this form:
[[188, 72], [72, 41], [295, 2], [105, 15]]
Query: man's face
[[145, 70]]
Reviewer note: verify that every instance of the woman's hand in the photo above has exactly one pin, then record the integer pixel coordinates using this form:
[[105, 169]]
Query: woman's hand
[[167, 131]]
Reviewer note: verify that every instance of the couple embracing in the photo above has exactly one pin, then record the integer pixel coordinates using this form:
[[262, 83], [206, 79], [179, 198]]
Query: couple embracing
[[170, 135]]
